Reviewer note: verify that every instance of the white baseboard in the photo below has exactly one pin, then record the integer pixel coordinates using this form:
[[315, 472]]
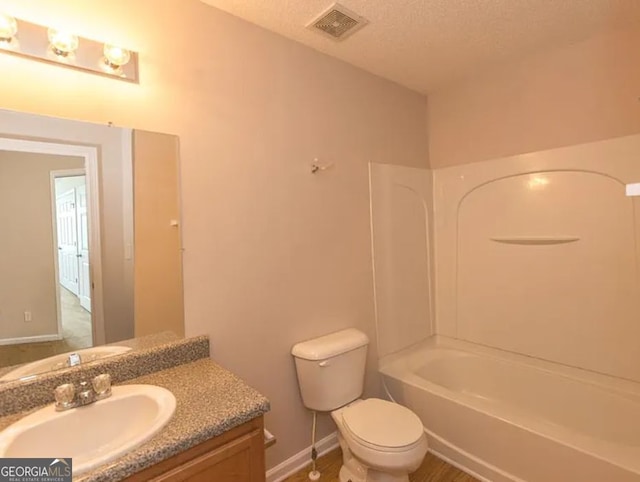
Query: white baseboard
[[301, 459], [30, 339]]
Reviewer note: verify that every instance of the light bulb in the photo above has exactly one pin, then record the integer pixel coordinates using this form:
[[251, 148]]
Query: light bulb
[[63, 43], [116, 57], [8, 28]]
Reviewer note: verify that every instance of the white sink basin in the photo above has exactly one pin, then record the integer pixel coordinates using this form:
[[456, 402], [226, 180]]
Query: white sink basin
[[59, 361], [94, 434]]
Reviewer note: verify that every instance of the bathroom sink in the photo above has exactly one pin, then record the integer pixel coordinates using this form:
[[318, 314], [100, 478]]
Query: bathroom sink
[[60, 361], [94, 434]]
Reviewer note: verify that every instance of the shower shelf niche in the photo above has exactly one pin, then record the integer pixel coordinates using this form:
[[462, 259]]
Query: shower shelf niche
[[535, 240]]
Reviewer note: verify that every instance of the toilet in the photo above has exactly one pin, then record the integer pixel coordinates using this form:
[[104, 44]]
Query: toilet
[[381, 441]]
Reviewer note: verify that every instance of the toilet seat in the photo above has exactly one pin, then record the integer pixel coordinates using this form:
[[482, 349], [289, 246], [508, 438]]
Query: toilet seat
[[382, 425]]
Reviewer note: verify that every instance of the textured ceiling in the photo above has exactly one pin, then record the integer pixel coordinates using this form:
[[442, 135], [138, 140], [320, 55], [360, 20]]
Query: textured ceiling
[[423, 44]]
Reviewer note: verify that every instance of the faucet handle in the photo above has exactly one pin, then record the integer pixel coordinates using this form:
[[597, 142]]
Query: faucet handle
[[64, 395], [102, 386]]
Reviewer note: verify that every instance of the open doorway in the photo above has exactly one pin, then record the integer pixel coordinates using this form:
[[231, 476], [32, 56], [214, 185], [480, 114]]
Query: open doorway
[[41, 279], [71, 231]]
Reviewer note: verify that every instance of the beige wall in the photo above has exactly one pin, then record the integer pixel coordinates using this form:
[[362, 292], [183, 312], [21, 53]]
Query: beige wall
[[273, 254], [585, 92], [27, 269], [158, 301]]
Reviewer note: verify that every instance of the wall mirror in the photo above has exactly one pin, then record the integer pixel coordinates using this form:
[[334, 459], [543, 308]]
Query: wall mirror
[[90, 251]]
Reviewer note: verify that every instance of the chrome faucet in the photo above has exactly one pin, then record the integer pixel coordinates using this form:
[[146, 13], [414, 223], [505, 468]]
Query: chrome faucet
[[85, 394], [74, 359], [68, 396]]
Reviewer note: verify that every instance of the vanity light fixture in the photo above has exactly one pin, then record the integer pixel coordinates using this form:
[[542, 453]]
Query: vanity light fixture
[[64, 48], [62, 43], [116, 57], [8, 28]]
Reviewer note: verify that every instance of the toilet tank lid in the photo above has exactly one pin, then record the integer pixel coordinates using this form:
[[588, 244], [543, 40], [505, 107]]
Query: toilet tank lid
[[330, 345]]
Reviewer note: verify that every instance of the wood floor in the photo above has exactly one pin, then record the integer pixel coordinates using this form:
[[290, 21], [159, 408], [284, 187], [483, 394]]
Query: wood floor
[[432, 470]]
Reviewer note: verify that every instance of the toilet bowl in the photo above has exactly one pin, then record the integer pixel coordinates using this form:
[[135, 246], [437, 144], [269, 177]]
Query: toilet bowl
[[380, 440]]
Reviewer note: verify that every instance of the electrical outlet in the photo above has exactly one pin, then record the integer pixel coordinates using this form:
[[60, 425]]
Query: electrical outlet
[[27, 316]]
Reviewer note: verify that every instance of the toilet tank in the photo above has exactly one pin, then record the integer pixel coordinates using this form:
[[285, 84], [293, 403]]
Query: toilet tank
[[331, 369]]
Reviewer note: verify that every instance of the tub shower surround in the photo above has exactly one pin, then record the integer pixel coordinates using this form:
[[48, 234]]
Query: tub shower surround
[[527, 369]]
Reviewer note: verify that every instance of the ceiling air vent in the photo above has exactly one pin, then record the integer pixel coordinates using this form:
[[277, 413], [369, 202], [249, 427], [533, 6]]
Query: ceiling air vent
[[337, 22]]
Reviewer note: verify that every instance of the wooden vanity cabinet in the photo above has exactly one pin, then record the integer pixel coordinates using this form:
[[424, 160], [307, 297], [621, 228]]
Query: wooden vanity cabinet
[[234, 456]]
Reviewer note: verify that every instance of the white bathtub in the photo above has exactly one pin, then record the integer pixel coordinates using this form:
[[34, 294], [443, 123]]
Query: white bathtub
[[505, 417]]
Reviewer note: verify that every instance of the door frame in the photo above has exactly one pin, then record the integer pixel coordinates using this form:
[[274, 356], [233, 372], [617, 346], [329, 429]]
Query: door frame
[[91, 168], [53, 175]]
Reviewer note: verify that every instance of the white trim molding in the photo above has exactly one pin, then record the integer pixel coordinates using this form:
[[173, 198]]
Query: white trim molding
[[30, 339], [300, 460]]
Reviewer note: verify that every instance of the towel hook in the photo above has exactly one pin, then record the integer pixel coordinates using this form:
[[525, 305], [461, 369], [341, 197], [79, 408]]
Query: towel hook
[[318, 166]]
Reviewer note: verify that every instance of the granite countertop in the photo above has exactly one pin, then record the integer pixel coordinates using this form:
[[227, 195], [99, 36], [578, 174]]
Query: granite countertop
[[141, 343], [210, 401]]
